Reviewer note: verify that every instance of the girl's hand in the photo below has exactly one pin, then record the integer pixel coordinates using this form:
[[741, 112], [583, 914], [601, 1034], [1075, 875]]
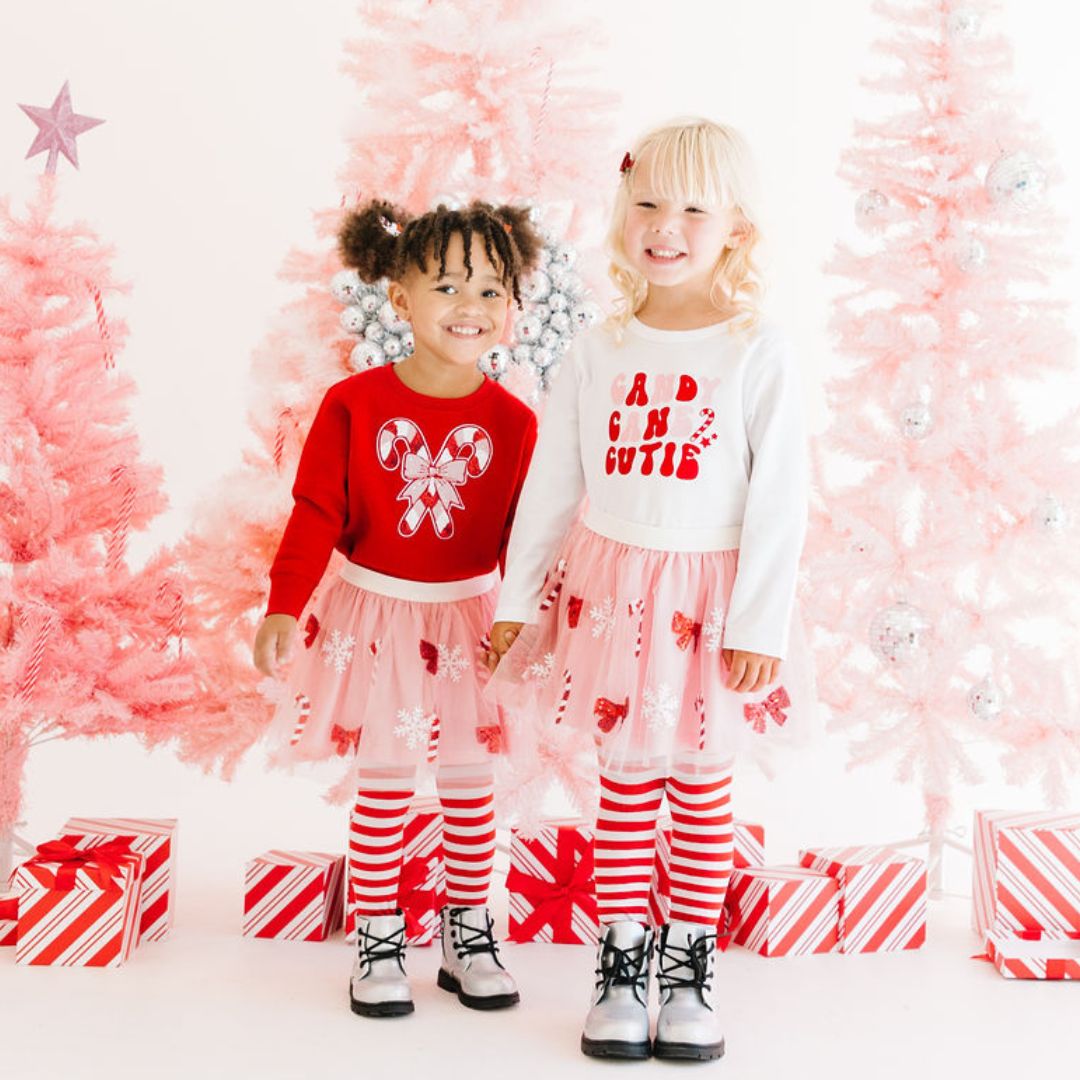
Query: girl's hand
[[749, 672], [273, 643], [503, 635]]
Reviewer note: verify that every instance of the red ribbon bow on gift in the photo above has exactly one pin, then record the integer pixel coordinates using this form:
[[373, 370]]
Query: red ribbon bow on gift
[[758, 713], [429, 653], [686, 630], [344, 739], [414, 900], [553, 902], [104, 863], [609, 713]]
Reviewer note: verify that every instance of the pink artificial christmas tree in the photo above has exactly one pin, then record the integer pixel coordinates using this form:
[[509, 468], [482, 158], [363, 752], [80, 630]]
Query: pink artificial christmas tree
[[87, 645], [943, 548], [459, 100]]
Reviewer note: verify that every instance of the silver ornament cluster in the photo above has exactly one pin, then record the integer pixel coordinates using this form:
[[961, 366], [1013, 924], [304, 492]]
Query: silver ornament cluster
[[898, 634], [1016, 180], [986, 699], [369, 315], [556, 308]]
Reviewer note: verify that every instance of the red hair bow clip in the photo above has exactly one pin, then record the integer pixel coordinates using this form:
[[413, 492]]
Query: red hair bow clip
[[627, 163]]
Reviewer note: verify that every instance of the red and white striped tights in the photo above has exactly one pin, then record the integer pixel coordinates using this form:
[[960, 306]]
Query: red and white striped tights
[[376, 836], [699, 800]]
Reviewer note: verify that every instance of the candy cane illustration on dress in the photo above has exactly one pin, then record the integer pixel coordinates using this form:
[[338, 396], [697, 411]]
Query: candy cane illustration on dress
[[431, 484]]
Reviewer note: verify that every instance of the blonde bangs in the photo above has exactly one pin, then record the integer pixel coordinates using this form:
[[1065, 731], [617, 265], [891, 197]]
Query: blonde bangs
[[684, 166]]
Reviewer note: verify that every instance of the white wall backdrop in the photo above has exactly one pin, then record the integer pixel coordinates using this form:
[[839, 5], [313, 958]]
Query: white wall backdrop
[[223, 131]]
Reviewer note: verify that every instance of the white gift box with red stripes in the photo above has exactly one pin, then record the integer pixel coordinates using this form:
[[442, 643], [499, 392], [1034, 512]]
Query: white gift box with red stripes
[[784, 910], [92, 921], [293, 895], [9, 916], [749, 850], [422, 888], [1027, 872], [1031, 954], [882, 896], [155, 840]]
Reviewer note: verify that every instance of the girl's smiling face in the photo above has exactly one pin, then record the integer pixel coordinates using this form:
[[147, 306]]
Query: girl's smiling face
[[455, 316]]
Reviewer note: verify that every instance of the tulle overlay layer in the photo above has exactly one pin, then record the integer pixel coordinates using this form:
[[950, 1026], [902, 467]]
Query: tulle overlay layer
[[385, 682], [626, 656]]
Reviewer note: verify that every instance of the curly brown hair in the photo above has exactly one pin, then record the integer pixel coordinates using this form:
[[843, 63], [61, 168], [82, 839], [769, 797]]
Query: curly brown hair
[[382, 241]]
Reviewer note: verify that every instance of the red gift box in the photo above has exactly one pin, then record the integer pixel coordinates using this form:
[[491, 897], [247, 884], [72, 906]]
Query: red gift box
[[293, 895], [78, 908], [882, 896], [9, 917], [422, 887], [784, 910], [749, 850], [1027, 872], [155, 840], [1032, 954], [551, 886]]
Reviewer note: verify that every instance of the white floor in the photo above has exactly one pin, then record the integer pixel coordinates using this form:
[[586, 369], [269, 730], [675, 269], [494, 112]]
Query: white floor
[[209, 1003]]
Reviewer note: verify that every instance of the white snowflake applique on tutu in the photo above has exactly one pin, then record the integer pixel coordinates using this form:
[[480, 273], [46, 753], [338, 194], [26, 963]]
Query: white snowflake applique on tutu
[[603, 617], [452, 663], [661, 707], [337, 650], [414, 726], [714, 629]]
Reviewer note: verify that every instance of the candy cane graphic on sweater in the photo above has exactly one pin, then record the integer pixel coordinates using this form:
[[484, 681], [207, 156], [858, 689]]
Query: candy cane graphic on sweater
[[556, 586], [432, 483], [699, 435]]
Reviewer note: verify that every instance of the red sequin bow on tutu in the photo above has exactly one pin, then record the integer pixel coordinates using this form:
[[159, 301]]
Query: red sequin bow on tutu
[[758, 713], [685, 630], [344, 739], [432, 483], [609, 713]]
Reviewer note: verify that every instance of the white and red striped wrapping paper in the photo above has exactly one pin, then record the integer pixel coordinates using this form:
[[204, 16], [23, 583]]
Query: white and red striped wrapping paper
[[155, 840], [784, 910], [1034, 955], [882, 896], [1027, 872], [422, 894], [9, 916], [87, 925], [293, 895], [749, 850]]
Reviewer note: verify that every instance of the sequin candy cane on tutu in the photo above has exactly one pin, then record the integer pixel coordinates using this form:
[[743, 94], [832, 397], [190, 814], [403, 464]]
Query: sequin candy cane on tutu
[[432, 485], [303, 713], [564, 699], [638, 608], [556, 586]]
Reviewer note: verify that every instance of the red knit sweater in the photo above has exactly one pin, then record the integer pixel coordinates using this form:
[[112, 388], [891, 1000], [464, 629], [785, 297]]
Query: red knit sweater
[[413, 486]]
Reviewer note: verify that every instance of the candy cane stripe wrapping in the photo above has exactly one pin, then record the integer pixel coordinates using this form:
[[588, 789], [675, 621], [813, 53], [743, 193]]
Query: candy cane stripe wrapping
[[785, 911], [294, 895], [155, 840]]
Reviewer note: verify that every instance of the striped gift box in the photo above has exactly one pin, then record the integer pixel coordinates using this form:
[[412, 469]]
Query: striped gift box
[[1034, 955], [749, 851], [92, 921], [423, 876], [882, 896], [550, 885], [293, 895], [9, 916], [155, 840], [1027, 872], [785, 910]]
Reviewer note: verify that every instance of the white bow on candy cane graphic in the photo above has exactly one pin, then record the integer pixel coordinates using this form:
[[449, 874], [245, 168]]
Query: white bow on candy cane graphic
[[432, 484]]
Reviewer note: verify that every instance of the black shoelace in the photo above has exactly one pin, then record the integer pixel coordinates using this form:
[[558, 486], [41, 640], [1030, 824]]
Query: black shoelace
[[393, 947], [479, 940], [693, 960], [627, 968]]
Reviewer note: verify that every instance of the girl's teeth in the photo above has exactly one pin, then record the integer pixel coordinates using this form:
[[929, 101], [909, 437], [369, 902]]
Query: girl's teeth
[[471, 330]]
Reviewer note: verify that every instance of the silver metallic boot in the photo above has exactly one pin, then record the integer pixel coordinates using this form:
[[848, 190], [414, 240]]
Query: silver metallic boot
[[379, 986], [471, 967], [688, 1027], [617, 1025]]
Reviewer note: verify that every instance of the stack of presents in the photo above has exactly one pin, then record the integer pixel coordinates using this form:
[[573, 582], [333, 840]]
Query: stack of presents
[[107, 885]]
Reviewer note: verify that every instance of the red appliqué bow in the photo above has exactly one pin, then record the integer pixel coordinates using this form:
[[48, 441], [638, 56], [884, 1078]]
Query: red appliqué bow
[[311, 630], [103, 863], [758, 713], [685, 630], [430, 655], [573, 611], [609, 713], [491, 737], [344, 739]]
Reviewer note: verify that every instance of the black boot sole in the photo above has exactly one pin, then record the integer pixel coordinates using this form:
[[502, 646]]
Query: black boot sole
[[673, 1051], [380, 1008], [611, 1048], [447, 982]]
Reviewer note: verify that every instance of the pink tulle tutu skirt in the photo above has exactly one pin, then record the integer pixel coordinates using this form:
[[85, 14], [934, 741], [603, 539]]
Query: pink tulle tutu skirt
[[626, 654], [390, 674]]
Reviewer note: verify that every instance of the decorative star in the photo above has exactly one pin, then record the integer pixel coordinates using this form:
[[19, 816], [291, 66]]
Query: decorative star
[[58, 127]]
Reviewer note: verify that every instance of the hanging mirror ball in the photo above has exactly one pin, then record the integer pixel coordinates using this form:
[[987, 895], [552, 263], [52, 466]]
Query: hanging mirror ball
[[916, 421], [963, 24], [1050, 515], [870, 206], [898, 634], [1016, 180], [986, 699]]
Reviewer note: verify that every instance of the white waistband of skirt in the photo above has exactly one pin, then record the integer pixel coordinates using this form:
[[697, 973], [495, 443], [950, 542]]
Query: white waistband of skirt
[[425, 592], [661, 537]]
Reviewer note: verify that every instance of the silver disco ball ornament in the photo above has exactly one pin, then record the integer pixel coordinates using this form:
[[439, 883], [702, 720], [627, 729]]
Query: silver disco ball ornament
[[392, 347], [1016, 180], [916, 421], [1050, 515], [352, 320], [870, 207], [898, 634], [986, 699], [366, 355], [537, 287], [528, 329], [495, 361], [375, 331], [371, 302], [968, 253], [963, 24], [346, 286]]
